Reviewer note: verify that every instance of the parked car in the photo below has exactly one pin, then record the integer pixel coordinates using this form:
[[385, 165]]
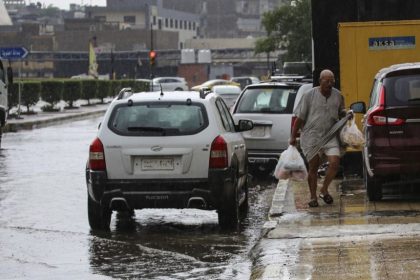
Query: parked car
[[168, 150], [169, 84], [391, 127], [244, 81], [229, 93], [211, 83], [305, 88], [270, 106]]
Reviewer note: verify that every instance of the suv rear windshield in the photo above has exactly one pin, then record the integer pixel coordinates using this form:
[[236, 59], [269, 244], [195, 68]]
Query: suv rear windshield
[[158, 119], [275, 100], [402, 90]]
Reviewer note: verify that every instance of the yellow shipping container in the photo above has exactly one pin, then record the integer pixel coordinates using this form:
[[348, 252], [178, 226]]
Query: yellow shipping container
[[367, 47]]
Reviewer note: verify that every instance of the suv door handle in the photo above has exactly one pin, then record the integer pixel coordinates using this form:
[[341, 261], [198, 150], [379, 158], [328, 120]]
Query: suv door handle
[[242, 146], [236, 147]]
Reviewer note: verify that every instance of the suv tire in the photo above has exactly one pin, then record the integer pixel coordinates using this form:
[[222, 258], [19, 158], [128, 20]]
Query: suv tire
[[228, 212], [99, 217], [373, 186]]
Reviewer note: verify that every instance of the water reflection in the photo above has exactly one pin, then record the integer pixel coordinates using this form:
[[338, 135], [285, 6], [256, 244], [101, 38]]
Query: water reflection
[[152, 246]]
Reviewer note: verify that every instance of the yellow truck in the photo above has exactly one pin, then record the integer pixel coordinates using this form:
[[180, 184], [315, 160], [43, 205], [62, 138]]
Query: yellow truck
[[367, 47]]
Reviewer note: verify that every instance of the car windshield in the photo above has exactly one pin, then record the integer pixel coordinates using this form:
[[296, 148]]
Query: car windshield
[[277, 100], [158, 119], [402, 90]]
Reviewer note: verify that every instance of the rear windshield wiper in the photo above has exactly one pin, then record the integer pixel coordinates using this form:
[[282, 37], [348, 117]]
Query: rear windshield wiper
[[163, 131], [145, 128]]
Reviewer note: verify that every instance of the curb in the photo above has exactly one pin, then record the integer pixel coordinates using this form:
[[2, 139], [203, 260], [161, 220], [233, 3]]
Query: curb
[[50, 119], [277, 205]]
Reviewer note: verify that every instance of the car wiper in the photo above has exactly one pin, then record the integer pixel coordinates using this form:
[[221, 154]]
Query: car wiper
[[145, 128], [163, 131]]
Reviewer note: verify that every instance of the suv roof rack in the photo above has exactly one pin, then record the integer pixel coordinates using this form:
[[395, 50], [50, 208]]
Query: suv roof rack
[[291, 78], [124, 93], [204, 92]]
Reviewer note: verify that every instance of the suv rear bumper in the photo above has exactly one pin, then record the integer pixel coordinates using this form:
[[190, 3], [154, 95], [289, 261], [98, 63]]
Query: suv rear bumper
[[262, 158], [157, 193]]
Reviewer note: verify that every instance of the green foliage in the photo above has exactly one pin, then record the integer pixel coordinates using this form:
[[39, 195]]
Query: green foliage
[[104, 89], [141, 86], [12, 95], [72, 91], [128, 83], [51, 92], [30, 93], [89, 89], [115, 87], [288, 28]]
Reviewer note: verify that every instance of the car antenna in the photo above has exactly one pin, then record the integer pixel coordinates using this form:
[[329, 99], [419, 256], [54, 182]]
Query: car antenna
[[161, 90]]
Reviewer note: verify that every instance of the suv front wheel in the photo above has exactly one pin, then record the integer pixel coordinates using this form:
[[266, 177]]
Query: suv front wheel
[[99, 217]]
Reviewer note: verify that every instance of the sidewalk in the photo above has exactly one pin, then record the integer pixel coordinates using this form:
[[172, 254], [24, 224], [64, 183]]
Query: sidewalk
[[350, 239], [42, 119]]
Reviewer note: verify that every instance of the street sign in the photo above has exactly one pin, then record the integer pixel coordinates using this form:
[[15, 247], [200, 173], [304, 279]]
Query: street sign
[[13, 53]]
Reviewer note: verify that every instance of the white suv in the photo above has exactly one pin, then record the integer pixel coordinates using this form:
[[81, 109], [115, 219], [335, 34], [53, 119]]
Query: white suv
[[167, 150], [270, 106], [169, 84]]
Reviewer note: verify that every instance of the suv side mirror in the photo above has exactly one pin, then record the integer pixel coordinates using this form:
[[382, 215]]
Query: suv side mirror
[[244, 125], [358, 107]]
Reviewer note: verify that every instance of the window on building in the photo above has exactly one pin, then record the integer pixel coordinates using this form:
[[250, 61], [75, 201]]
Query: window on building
[[160, 24], [129, 19], [185, 24], [194, 25], [154, 20], [171, 23], [166, 22], [189, 25], [176, 23]]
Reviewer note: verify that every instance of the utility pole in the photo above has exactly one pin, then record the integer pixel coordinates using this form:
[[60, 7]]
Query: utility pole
[[152, 60]]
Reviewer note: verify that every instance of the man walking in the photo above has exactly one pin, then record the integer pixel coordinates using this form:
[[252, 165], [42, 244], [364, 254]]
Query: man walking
[[318, 110]]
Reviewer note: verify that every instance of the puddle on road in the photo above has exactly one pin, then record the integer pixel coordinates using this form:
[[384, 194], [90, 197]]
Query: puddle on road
[[179, 244]]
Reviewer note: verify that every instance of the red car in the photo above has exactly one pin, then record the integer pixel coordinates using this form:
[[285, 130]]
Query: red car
[[392, 130]]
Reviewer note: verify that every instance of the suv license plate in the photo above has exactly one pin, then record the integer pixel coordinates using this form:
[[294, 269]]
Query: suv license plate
[[157, 164]]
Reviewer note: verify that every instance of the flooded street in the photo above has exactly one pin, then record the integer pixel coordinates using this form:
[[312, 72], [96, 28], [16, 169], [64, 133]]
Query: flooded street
[[44, 232]]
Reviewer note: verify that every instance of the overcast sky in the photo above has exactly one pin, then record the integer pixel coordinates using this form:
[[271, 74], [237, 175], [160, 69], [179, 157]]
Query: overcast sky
[[65, 4]]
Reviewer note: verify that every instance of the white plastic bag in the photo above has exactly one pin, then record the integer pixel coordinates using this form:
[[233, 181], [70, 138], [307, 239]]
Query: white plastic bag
[[351, 135], [291, 165]]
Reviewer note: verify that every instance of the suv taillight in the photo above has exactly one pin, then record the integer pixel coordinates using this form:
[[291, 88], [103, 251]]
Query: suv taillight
[[97, 156], [377, 115], [218, 153]]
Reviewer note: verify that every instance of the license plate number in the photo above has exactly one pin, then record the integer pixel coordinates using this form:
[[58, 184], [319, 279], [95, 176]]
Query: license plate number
[[157, 164], [258, 131]]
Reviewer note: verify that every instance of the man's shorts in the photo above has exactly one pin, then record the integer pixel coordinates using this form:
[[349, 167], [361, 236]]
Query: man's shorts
[[330, 152]]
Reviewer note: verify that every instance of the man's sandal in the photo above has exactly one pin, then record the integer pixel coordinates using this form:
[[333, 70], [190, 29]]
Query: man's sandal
[[327, 198], [313, 203]]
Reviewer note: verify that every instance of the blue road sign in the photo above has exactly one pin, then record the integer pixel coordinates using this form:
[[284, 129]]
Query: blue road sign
[[13, 53]]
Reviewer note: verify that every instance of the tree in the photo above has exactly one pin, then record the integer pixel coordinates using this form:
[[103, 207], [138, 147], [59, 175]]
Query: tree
[[288, 28]]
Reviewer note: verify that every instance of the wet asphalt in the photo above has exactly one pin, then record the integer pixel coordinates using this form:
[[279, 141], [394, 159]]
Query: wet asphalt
[[350, 239]]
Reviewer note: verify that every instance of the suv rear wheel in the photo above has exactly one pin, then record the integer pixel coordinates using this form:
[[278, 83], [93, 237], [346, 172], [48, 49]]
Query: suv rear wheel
[[373, 186], [228, 212], [99, 217]]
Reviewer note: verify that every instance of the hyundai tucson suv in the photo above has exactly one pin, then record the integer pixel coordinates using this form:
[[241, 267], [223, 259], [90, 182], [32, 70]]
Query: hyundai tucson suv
[[270, 106], [167, 150], [392, 130]]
